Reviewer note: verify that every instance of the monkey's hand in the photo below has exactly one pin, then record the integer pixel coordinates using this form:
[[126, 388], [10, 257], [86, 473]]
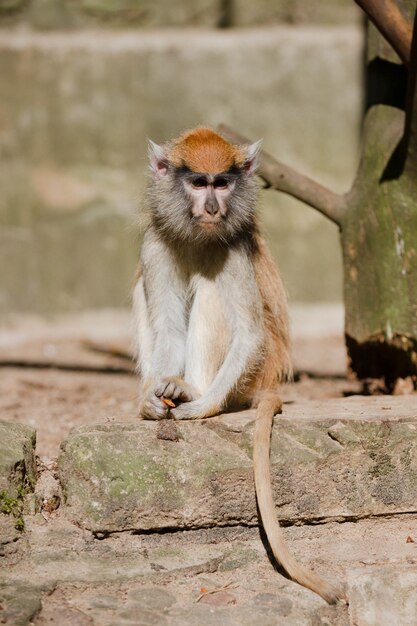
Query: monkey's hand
[[152, 407], [173, 388], [194, 410], [176, 389]]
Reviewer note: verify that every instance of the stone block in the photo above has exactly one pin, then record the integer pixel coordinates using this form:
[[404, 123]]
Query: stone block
[[383, 596], [266, 12], [19, 604], [8, 7], [17, 458], [343, 468], [122, 477], [75, 114], [78, 14], [152, 14]]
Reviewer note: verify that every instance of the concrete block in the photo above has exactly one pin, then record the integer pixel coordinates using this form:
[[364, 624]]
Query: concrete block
[[123, 477], [8, 7], [153, 14], [20, 604], [267, 12], [76, 111], [78, 14], [17, 458], [383, 596]]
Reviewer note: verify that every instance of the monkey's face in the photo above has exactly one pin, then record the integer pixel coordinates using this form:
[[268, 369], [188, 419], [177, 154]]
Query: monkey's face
[[212, 202], [197, 206], [206, 207], [209, 197]]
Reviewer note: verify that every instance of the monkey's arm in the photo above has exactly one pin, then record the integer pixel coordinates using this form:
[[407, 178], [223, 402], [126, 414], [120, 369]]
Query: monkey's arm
[[160, 332], [159, 313], [160, 329]]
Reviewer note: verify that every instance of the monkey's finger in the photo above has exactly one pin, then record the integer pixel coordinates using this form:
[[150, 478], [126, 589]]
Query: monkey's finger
[[185, 396], [171, 391], [160, 389], [176, 392]]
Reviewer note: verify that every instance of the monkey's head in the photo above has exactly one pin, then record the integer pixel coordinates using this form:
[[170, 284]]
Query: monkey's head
[[203, 188]]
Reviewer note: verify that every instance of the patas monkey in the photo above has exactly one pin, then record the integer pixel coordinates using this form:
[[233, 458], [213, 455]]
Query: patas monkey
[[210, 309]]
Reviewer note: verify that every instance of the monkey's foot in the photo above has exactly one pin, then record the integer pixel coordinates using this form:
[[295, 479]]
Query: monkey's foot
[[194, 410]]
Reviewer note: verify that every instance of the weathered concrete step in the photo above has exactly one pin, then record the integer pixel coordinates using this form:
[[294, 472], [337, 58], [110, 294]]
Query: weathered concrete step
[[17, 478], [157, 578], [207, 13], [20, 603], [383, 596], [77, 109], [122, 476], [17, 457]]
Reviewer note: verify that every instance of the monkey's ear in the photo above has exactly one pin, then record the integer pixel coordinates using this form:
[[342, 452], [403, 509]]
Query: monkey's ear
[[252, 157], [158, 160]]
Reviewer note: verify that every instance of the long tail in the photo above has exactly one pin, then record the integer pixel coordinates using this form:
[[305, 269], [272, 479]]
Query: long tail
[[266, 409]]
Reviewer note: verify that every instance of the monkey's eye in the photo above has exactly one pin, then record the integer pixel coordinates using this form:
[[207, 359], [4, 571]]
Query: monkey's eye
[[220, 183], [199, 183]]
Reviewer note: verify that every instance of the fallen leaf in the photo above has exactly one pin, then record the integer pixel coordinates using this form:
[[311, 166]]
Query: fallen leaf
[[219, 590]]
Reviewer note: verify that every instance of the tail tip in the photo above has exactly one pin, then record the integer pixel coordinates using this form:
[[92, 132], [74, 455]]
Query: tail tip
[[334, 594]]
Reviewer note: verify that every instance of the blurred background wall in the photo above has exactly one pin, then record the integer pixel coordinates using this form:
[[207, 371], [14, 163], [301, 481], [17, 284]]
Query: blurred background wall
[[84, 83]]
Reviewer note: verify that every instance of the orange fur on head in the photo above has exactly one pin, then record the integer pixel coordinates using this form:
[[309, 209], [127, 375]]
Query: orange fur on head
[[204, 151]]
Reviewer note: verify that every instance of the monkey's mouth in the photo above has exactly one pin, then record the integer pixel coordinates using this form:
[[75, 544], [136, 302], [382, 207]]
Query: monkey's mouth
[[209, 222], [209, 226]]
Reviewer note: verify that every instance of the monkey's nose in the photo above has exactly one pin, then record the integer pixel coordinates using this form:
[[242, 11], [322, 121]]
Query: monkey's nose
[[211, 207]]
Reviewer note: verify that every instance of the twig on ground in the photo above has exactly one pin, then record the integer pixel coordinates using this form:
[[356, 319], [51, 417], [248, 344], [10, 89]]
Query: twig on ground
[[231, 585]]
